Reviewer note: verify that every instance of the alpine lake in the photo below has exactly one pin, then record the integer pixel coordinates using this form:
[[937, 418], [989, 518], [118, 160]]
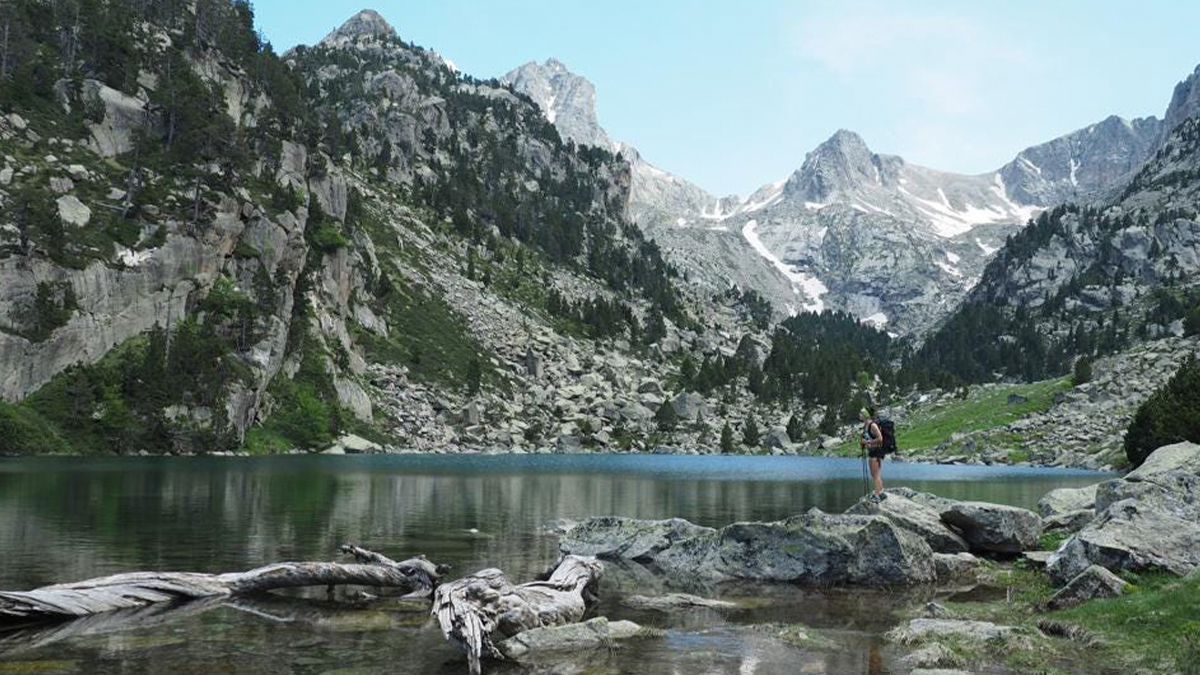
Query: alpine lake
[[69, 519]]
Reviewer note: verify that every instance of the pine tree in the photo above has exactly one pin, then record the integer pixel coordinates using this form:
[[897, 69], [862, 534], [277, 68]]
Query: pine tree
[[666, 417], [795, 428], [1170, 415], [474, 377], [727, 446], [1083, 371], [750, 434]]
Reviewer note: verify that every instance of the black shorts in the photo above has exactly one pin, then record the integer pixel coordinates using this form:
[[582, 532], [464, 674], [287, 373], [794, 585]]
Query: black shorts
[[876, 453]]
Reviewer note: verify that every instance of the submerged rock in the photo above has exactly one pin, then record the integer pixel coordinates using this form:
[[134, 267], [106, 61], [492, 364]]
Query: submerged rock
[[1094, 582], [592, 634], [995, 528], [815, 548], [676, 601], [1148, 520]]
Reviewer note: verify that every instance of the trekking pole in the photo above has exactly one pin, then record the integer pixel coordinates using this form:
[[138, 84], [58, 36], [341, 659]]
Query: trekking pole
[[866, 481]]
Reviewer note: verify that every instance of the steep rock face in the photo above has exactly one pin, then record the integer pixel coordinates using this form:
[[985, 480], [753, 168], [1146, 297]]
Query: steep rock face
[[1185, 103], [567, 100], [329, 274]]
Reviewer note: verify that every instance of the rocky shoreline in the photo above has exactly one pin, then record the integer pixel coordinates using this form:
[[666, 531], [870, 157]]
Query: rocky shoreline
[[1147, 522]]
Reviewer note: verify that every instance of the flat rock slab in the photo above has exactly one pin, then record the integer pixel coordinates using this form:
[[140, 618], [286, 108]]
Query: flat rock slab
[[675, 602], [995, 528], [922, 630], [591, 634]]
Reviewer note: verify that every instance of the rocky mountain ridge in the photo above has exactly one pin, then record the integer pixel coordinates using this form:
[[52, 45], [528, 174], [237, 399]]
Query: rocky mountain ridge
[[907, 242]]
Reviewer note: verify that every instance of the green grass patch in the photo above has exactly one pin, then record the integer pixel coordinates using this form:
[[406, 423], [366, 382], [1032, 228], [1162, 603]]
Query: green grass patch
[[1050, 541], [1158, 621]]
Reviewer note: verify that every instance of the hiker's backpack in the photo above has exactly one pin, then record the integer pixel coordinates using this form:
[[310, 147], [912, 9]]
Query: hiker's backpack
[[888, 429]]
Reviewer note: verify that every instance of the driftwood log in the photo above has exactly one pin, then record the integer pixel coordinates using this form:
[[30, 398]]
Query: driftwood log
[[479, 611], [135, 590]]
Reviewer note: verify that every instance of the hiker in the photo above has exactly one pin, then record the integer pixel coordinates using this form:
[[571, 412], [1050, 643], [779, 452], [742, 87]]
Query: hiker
[[872, 444]]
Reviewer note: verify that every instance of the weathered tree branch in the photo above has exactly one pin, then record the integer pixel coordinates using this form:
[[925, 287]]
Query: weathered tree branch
[[139, 589], [481, 610]]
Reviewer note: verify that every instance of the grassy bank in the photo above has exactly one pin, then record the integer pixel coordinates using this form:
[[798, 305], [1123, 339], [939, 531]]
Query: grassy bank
[[929, 425], [1155, 626]]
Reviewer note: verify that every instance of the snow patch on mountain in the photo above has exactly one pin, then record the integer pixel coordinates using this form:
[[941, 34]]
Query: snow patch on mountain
[[811, 286]]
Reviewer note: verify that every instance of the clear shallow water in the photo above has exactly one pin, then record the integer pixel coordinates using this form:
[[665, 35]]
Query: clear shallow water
[[73, 518]]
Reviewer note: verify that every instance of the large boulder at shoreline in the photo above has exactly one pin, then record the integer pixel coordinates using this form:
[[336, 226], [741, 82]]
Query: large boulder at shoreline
[[1067, 500], [995, 528], [922, 520], [814, 549], [1148, 520], [1094, 582]]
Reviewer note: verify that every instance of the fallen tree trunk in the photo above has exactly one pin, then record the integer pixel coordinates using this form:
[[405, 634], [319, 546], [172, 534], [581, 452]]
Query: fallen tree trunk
[[479, 611], [139, 589]]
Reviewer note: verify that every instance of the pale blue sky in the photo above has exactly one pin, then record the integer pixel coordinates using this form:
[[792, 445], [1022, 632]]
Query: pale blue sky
[[732, 94]]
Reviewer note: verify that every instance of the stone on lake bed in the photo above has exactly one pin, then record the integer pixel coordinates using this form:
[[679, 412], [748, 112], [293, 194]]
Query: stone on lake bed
[[675, 601], [591, 634]]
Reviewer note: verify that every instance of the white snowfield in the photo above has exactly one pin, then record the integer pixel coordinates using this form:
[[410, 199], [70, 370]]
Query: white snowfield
[[812, 287]]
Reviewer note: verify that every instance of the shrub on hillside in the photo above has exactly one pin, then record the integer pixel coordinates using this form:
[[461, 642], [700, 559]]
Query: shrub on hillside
[[1083, 371], [1170, 415]]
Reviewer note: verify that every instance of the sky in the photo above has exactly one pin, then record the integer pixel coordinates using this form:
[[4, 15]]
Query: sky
[[731, 94]]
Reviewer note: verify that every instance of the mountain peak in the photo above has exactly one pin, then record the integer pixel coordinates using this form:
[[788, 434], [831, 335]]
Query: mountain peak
[[568, 100], [841, 163], [367, 23]]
